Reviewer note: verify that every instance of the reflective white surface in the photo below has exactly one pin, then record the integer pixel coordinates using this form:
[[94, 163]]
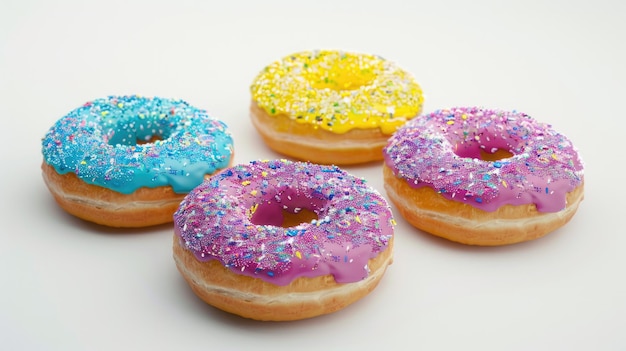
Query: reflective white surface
[[70, 285]]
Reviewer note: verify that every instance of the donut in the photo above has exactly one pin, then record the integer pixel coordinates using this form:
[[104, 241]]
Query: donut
[[332, 107], [128, 161], [482, 176], [280, 240]]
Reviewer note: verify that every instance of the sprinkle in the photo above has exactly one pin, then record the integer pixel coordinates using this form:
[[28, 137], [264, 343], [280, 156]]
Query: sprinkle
[[245, 232], [253, 208], [338, 91], [429, 151], [108, 130]]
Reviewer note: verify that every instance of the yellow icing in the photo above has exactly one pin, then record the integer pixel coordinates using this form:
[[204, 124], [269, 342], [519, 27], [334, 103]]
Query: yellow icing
[[339, 91]]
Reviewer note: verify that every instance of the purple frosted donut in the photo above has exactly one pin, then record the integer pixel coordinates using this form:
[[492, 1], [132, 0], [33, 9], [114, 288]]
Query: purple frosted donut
[[236, 218], [490, 160]]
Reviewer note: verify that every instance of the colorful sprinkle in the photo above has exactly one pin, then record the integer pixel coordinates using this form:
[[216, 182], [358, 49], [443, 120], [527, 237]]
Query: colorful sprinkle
[[338, 91], [246, 234], [110, 142], [428, 146]]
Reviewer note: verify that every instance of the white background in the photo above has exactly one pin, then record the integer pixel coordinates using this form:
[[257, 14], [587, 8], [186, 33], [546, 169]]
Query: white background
[[71, 285]]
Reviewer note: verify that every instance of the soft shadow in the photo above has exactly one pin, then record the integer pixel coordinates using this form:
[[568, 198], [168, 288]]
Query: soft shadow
[[429, 239], [94, 228], [202, 310]]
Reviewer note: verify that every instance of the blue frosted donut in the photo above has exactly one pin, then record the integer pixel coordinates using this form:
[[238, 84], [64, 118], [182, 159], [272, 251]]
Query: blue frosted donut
[[127, 143]]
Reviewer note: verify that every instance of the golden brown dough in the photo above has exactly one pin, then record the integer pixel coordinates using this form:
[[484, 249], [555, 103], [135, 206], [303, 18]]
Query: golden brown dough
[[144, 207], [257, 299], [431, 212], [304, 142]]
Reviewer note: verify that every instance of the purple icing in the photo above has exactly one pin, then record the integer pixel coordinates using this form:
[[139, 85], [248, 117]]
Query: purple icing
[[236, 216], [442, 150]]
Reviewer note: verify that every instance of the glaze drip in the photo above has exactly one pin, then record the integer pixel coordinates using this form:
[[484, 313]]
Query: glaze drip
[[217, 220], [126, 142], [444, 150], [338, 91]]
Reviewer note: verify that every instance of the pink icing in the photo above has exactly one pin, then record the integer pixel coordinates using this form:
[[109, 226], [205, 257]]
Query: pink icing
[[442, 150], [236, 216]]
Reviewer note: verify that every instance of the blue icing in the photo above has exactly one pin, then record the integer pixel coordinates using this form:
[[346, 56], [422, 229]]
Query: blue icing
[[99, 143]]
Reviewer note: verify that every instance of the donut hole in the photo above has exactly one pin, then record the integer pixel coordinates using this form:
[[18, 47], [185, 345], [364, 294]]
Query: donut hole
[[342, 74], [139, 132], [483, 151], [498, 154], [292, 219], [339, 81], [286, 210], [148, 140], [269, 213]]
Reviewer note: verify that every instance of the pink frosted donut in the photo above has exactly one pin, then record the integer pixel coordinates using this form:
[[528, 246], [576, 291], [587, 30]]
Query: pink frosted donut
[[281, 240], [483, 177]]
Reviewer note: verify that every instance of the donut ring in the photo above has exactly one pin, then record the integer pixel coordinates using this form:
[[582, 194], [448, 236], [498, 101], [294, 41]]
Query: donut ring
[[483, 177], [127, 161], [237, 248], [332, 107]]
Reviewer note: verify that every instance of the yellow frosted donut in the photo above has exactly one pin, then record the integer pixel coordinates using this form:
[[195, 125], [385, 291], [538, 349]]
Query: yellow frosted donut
[[332, 106]]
